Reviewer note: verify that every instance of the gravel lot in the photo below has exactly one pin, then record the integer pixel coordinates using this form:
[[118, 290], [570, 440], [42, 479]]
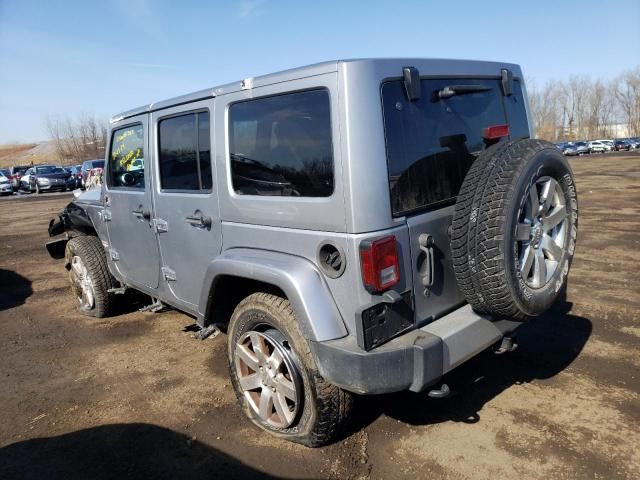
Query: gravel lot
[[135, 396]]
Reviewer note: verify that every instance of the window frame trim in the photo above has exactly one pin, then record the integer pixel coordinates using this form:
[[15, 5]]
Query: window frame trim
[[158, 152]]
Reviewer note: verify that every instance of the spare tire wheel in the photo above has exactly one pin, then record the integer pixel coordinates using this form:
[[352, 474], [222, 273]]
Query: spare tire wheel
[[514, 229]]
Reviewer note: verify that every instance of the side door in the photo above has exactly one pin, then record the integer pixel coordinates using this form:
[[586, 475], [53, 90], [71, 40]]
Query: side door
[[187, 217], [133, 245]]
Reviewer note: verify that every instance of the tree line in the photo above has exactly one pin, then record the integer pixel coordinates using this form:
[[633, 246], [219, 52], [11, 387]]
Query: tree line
[[581, 108], [77, 140]]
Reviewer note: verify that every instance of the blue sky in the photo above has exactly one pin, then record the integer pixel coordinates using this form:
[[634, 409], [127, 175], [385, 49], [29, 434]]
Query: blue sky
[[102, 57]]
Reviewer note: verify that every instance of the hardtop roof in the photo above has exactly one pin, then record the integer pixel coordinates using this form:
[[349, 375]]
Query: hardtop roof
[[426, 66]]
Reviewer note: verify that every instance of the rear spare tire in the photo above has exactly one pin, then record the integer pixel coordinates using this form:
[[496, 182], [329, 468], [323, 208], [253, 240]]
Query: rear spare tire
[[514, 229]]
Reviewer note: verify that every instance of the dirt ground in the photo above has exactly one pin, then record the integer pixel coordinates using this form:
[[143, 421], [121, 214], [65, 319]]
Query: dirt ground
[[135, 396]]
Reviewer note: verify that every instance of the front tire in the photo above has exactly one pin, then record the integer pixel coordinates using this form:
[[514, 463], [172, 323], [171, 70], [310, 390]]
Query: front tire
[[89, 276], [275, 376]]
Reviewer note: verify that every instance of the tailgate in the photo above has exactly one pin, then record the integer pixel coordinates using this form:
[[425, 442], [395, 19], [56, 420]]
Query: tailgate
[[431, 143]]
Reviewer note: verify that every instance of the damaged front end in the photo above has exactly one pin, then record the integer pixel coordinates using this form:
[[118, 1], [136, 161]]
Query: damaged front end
[[77, 218]]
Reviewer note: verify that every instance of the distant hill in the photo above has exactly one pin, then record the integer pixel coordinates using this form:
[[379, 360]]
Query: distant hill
[[27, 153]]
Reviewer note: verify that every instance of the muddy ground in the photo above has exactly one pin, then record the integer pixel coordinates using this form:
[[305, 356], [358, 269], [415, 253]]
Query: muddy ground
[[135, 396]]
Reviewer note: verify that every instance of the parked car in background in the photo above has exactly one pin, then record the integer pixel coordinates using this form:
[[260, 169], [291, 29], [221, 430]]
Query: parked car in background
[[50, 177], [634, 142], [90, 165], [597, 147], [5, 185], [621, 145], [76, 172], [23, 180], [567, 148], [15, 174], [607, 143], [582, 148]]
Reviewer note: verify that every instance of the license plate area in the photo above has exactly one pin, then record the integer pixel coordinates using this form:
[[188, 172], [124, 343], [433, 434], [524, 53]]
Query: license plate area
[[379, 323]]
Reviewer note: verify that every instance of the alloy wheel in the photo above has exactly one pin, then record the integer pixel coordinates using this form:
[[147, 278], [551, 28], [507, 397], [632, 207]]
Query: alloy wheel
[[82, 284], [268, 376], [541, 232]]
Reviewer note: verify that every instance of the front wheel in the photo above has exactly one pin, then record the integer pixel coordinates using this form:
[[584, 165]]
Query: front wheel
[[275, 376], [89, 276]]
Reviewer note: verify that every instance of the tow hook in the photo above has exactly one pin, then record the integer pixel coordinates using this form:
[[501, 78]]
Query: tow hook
[[508, 344], [443, 392]]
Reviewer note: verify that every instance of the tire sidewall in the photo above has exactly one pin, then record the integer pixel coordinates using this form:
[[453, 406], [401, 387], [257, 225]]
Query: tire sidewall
[[258, 317], [546, 162]]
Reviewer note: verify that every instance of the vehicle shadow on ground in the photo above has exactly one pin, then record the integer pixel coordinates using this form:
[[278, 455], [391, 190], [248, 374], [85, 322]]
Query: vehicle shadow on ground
[[15, 289], [135, 450], [547, 345]]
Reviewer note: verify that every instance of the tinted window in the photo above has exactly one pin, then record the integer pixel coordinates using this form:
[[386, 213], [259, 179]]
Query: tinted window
[[517, 112], [126, 160], [282, 145], [48, 169], [432, 142], [185, 158]]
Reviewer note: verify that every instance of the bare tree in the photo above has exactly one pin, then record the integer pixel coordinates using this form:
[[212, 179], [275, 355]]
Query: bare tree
[[79, 140], [582, 108], [627, 94]]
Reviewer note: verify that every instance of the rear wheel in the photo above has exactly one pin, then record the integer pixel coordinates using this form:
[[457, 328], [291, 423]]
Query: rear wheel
[[89, 275], [514, 229], [275, 376]]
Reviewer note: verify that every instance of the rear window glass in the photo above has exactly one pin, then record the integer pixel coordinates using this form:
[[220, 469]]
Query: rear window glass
[[432, 142], [282, 146], [126, 159], [517, 112]]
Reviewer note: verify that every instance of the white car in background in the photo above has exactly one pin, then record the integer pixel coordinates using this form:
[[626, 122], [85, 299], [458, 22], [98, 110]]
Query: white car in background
[[24, 180], [5, 185], [607, 143], [598, 147]]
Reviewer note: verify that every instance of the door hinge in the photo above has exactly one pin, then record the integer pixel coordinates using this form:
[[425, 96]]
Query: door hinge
[[115, 256], [169, 275], [106, 215], [160, 225]]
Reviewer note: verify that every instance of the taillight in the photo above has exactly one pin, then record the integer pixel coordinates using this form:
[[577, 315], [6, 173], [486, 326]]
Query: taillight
[[379, 261], [495, 132]]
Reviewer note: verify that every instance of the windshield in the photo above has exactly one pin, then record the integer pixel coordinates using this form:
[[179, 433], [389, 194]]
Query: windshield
[[49, 169]]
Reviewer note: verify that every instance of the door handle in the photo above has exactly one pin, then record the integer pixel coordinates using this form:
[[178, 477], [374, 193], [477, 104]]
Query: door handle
[[427, 243], [141, 213], [199, 220]]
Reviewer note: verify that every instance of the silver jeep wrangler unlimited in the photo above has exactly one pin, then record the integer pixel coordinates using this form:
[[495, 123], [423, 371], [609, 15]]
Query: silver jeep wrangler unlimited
[[356, 227]]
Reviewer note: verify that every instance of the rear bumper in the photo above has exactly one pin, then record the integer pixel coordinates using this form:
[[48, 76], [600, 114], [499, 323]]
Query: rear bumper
[[413, 361]]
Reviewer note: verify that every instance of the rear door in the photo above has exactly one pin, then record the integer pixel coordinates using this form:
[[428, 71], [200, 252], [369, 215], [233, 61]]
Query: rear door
[[431, 144], [186, 207], [128, 209]]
